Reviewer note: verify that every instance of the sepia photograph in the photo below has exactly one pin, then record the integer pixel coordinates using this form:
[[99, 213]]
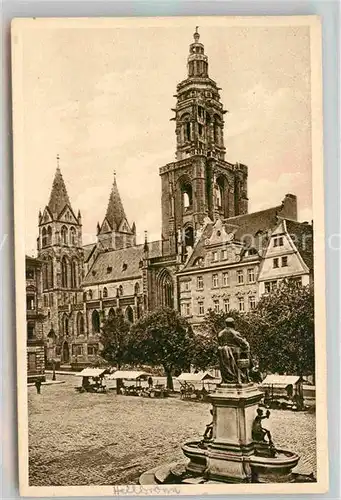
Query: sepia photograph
[[169, 246]]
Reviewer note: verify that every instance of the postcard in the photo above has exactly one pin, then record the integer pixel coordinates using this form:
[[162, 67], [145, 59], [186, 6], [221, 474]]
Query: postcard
[[169, 246]]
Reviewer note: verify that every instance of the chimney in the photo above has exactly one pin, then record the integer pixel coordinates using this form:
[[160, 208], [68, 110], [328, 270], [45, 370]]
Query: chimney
[[289, 207]]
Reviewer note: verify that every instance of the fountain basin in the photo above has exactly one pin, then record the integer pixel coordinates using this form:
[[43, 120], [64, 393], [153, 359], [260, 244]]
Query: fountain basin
[[276, 469], [197, 456]]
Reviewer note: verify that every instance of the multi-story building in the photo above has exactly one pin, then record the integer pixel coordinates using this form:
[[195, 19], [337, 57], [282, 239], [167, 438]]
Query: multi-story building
[[289, 254], [233, 258], [34, 321]]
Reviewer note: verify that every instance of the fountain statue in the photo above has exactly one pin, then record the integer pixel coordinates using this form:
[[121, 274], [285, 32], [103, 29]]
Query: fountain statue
[[235, 447]]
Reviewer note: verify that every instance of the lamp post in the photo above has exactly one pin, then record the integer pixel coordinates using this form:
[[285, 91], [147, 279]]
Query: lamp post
[[53, 370]]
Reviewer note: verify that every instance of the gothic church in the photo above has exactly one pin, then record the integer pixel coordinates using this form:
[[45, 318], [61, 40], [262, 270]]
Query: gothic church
[[82, 285]]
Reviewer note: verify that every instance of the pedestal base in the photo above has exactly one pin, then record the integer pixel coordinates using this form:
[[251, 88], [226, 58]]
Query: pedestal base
[[234, 410]]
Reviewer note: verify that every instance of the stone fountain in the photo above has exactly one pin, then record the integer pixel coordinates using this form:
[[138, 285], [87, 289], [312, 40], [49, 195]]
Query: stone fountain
[[235, 447]]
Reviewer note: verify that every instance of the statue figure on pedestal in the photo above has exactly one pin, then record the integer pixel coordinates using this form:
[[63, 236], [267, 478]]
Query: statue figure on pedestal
[[234, 355], [262, 447]]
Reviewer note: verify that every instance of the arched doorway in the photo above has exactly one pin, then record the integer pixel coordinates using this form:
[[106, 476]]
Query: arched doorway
[[165, 289], [65, 353]]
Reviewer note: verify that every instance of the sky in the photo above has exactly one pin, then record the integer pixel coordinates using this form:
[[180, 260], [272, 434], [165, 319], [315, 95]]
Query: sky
[[101, 98]]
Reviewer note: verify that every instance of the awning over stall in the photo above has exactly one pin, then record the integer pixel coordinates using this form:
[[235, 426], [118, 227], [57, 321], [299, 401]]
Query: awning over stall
[[91, 372], [128, 375]]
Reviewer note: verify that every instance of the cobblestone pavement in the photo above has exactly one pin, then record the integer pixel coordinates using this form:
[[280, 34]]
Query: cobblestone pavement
[[99, 439]]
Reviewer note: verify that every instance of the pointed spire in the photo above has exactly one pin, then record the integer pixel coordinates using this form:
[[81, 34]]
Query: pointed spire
[[115, 211], [58, 197]]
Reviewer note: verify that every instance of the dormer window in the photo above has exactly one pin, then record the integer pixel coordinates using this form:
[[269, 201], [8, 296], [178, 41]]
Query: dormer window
[[94, 272], [109, 269], [124, 266]]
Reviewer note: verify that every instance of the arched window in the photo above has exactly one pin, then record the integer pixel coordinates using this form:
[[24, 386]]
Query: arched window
[[120, 290], [49, 267], [216, 129], [45, 276], [111, 313], [65, 324], [186, 127], [65, 266], [137, 288], [95, 321], [187, 196], [74, 274], [64, 235], [165, 289], [105, 292], [129, 314], [44, 237], [189, 236], [90, 294], [188, 131], [219, 195], [73, 236], [49, 235], [80, 324]]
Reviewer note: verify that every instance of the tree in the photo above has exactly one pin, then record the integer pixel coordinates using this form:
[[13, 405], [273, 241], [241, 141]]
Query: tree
[[115, 338], [163, 338], [280, 331]]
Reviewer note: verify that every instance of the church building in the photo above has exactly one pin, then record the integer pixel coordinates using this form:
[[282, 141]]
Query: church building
[[197, 262]]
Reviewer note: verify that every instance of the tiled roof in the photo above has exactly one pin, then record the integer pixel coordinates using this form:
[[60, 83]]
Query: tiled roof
[[87, 250], [119, 264], [302, 235], [254, 223], [58, 197]]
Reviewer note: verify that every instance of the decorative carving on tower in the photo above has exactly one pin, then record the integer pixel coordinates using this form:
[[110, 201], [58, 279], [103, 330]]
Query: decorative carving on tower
[[200, 183], [60, 248]]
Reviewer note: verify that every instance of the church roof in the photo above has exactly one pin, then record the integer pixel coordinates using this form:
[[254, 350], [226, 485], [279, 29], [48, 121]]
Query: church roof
[[87, 250], [118, 265], [115, 212], [58, 197]]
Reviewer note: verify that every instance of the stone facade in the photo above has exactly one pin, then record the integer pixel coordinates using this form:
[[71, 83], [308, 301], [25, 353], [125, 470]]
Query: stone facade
[[212, 253], [34, 321]]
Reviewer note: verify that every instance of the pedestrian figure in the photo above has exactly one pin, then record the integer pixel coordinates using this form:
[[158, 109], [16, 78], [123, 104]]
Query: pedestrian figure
[[150, 382], [38, 385]]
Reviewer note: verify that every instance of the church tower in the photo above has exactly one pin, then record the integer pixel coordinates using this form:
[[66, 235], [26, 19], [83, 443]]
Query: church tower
[[60, 248], [115, 232], [200, 183]]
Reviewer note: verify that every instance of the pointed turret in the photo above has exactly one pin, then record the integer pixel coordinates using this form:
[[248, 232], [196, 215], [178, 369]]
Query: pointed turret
[[115, 231], [59, 197], [115, 212]]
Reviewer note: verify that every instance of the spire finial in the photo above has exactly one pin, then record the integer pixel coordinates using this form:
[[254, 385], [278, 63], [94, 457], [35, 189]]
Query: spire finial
[[196, 34], [58, 158], [145, 246], [114, 176]]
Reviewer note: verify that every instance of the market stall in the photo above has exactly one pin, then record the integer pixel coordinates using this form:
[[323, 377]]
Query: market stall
[[92, 380], [196, 385]]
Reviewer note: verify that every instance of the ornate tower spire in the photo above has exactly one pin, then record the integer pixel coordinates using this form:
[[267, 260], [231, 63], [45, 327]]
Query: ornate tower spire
[[200, 183], [59, 196], [197, 60], [199, 112]]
